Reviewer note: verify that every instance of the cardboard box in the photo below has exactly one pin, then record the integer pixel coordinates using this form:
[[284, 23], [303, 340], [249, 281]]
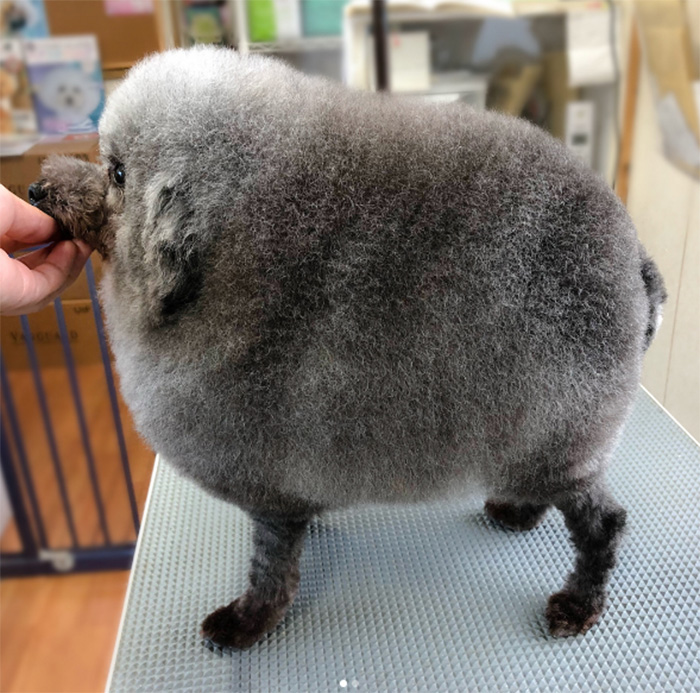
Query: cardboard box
[[17, 173], [82, 335]]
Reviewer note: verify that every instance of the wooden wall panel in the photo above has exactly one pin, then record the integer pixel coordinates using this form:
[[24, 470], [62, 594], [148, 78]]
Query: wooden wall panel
[[682, 396], [122, 39], [660, 201]]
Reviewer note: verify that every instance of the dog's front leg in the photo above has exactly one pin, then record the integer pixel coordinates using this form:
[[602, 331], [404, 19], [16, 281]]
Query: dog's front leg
[[274, 581]]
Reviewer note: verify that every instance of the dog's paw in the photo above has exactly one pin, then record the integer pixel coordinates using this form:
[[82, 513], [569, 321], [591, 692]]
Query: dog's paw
[[241, 624], [569, 613], [519, 518]]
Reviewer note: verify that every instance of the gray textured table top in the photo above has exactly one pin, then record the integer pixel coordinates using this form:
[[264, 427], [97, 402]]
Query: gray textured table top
[[427, 597]]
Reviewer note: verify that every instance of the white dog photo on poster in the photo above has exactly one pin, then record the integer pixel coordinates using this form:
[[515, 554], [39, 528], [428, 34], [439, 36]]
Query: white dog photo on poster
[[71, 95], [66, 81]]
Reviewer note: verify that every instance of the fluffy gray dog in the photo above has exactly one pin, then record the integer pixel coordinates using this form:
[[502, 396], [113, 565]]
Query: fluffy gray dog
[[318, 297]]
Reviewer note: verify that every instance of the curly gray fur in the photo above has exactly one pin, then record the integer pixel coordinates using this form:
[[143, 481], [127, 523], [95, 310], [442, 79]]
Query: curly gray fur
[[318, 297]]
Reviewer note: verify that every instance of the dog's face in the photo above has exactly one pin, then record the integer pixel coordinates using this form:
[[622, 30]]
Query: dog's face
[[177, 139], [174, 148], [143, 177], [135, 208]]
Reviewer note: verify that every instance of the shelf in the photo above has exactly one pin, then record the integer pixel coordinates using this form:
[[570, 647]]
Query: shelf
[[306, 44], [414, 12]]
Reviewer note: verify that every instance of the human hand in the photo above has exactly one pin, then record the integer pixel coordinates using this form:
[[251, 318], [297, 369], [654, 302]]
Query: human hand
[[29, 283]]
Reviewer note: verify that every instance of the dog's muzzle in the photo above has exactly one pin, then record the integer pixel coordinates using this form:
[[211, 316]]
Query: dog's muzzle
[[36, 194]]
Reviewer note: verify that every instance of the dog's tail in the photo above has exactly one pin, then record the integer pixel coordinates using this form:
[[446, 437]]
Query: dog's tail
[[656, 293]]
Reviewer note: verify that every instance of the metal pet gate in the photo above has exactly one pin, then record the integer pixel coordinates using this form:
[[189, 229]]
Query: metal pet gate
[[38, 554]]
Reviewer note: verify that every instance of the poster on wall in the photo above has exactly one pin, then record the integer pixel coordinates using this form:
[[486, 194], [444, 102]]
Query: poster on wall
[[115, 8], [16, 108], [66, 80], [205, 23], [23, 19]]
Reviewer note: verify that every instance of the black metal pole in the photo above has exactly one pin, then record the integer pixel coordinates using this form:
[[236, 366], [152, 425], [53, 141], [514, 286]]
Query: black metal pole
[[82, 421], [381, 44], [14, 491], [11, 413], [48, 427], [112, 390]]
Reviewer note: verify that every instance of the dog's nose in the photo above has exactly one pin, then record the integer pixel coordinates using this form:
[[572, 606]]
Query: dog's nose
[[36, 194]]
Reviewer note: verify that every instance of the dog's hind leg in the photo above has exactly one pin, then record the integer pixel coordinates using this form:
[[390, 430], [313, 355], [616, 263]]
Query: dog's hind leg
[[519, 517], [273, 584], [596, 523]]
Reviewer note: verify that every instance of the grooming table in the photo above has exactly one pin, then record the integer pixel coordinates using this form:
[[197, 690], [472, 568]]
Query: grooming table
[[427, 597]]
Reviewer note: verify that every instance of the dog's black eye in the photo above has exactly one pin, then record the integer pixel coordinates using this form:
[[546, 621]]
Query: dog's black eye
[[119, 174]]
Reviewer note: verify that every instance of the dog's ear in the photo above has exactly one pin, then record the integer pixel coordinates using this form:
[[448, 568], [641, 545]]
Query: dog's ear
[[182, 263], [174, 245]]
